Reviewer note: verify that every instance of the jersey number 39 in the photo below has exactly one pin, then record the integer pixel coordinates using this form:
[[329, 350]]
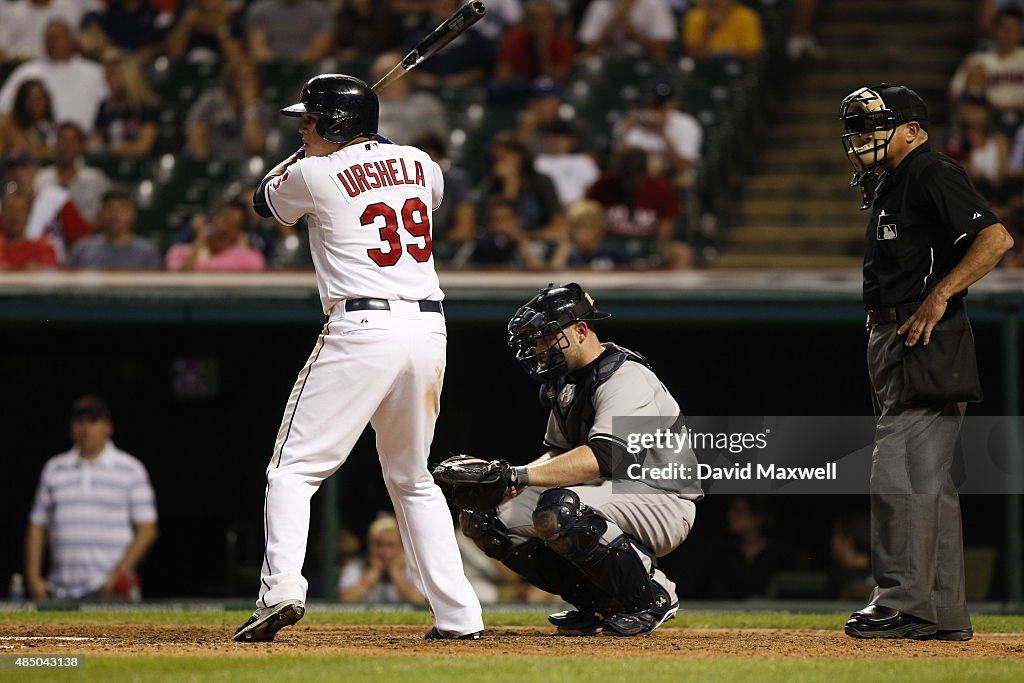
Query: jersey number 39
[[415, 220]]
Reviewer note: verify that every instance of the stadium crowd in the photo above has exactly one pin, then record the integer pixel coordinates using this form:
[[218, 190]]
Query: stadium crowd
[[573, 133], [109, 109]]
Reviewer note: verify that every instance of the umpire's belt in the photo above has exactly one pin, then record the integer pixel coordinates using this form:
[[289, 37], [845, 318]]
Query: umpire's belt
[[426, 305], [881, 316]]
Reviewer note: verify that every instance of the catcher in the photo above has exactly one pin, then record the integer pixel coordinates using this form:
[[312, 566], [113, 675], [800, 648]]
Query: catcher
[[557, 521]]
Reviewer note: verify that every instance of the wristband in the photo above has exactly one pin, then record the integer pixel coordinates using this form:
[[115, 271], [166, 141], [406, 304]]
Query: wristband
[[522, 476]]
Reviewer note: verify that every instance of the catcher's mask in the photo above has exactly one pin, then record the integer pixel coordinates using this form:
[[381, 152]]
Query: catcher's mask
[[347, 106], [870, 118], [536, 333]]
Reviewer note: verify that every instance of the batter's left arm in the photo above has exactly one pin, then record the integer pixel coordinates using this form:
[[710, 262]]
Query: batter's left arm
[[988, 248]]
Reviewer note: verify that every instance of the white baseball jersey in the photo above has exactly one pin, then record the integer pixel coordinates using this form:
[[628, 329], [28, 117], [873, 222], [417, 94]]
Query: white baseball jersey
[[369, 207], [369, 220]]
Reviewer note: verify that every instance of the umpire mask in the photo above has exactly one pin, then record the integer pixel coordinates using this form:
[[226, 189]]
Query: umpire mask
[[870, 118], [536, 333]]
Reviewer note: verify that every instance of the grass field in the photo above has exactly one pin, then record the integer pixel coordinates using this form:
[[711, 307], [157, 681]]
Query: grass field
[[520, 647]]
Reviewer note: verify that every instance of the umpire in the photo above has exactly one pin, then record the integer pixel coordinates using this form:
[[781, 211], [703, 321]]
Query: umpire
[[930, 237]]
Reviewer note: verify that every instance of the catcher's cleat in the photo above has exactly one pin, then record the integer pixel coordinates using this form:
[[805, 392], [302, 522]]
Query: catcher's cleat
[[642, 623], [577, 623], [265, 622], [434, 634]]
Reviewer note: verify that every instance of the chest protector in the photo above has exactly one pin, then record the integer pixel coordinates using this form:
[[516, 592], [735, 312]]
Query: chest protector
[[571, 398]]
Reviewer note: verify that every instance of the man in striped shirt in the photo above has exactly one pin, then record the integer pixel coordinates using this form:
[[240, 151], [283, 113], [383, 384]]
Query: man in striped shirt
[[97, 507]]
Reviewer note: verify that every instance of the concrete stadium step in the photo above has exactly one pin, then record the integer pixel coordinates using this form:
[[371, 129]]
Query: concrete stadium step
[[787, 261], [888, 11], [764, 239], [839, 191], [856, 31], [801, 213]]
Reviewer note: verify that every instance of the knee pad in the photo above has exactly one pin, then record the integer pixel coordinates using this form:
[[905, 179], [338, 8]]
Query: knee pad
[[487, 532], [566, 525]]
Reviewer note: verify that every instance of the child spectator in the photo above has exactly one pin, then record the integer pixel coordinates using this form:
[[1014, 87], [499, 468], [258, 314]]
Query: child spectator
[[384, 576]]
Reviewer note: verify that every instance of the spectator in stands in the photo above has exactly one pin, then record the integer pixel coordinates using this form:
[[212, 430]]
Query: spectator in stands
[[630, 28], [641, 210], [229, 122], [571, 171], [384, 576], [136, 27], [29, 127], [75, 84], [283, 246], [218, 244], [207, 32], [53, 214], [585, 246], [722, 29], [406, 114], [97, 506], [746, 567], [86, 185], [850, 577], [114, 247], [23, 24], [455, 219], [999, 72], [367, 27], [16, 251], [512, 177], [533, 49], [288, 31], [465, 61], [542, 109], [671, 138], [976, 144], [801, 41], [502, 16], [127, 124], [504, 243]]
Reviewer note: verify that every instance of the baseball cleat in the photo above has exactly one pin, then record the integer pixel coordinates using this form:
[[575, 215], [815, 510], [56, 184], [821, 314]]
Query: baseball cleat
[[876, 621], [577, 623], [265, 622], [644, 622], [434, 634]]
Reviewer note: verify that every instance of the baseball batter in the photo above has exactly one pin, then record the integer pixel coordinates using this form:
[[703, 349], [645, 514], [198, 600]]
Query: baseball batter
[[381, 355], [565, 529]]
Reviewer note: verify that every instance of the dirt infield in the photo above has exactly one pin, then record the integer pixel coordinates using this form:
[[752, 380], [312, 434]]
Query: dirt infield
[[171, 639]]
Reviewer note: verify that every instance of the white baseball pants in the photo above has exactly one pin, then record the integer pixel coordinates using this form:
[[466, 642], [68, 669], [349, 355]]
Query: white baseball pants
[[385, 368]]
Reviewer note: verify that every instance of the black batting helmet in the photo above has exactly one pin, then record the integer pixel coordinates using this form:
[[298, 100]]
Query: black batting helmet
[[347, 107], [549, 313]]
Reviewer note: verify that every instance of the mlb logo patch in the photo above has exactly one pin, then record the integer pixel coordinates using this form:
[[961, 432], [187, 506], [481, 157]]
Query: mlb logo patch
[[886, 229]]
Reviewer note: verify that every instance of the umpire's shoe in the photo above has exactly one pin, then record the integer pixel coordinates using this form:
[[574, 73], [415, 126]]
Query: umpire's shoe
[[876, 621], [642, 623], [577, 622], [434, 634], [265, 622]]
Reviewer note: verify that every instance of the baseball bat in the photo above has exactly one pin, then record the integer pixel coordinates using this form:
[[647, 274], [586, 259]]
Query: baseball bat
[[449, 30]]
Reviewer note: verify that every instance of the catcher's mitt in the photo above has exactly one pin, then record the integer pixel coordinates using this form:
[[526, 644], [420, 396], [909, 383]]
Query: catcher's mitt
[[474, 484]]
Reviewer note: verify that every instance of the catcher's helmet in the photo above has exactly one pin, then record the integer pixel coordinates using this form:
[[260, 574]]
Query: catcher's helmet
[[347, 107], [870, 117], [549, 313]]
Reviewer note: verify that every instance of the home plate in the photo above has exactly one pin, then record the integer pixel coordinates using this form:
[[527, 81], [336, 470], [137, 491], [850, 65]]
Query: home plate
[[73, 639]]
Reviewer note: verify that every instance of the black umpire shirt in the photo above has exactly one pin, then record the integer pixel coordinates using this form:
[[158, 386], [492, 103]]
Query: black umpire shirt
[[925, 216]]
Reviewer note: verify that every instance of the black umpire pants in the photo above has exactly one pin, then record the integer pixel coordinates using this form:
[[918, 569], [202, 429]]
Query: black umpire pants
[[916, 535]]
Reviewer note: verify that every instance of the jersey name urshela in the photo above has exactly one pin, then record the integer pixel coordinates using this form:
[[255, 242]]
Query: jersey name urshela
[[360, 178]]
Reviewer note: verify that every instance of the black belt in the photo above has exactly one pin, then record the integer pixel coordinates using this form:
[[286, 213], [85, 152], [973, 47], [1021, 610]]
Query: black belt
[[881, 316], [426, 306]]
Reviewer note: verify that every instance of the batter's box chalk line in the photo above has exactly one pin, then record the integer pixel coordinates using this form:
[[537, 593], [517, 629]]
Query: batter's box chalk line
[[72, 639]]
